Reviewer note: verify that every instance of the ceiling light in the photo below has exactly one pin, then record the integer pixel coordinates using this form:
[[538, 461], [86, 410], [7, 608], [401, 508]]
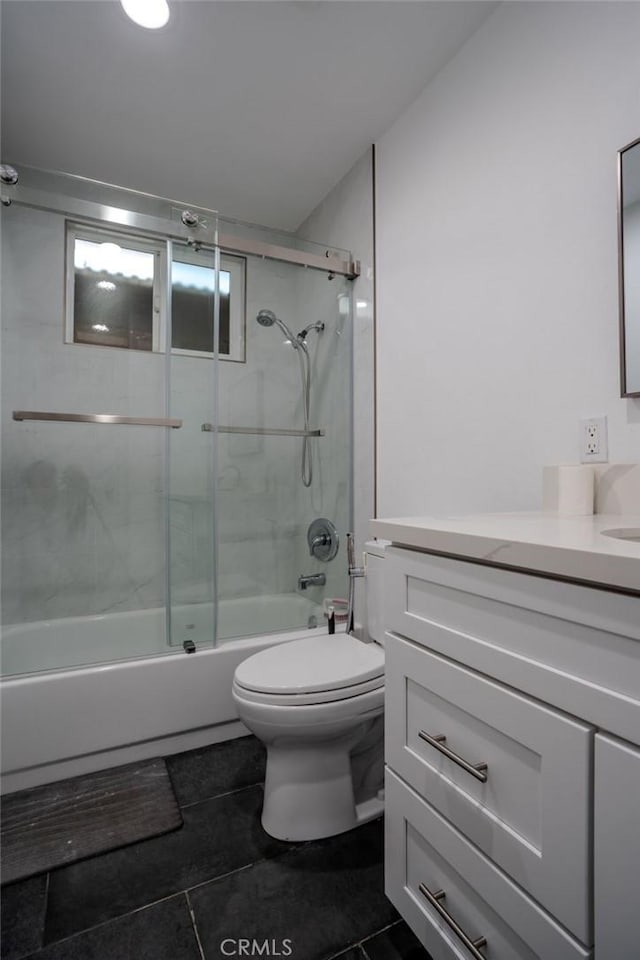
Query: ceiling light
[[106, 285], [151, 14], [100, 327]]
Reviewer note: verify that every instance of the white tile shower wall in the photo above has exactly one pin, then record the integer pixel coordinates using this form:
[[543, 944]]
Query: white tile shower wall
[[345, 218], [83, 506], [497, 260]]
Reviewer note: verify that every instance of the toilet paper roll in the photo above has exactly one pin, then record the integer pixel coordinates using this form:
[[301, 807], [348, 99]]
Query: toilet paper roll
[[568, 489]]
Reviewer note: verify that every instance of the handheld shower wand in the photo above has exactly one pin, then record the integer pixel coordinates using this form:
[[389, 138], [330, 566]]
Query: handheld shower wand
[[267, 318]]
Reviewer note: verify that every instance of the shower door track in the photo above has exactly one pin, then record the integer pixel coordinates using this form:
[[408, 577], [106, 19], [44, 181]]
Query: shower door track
[[329, 262]]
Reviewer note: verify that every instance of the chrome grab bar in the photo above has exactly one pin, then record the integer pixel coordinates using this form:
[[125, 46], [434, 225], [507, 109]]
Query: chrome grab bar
[[477, 770], [471, 945], [261, 431], [97, 418]]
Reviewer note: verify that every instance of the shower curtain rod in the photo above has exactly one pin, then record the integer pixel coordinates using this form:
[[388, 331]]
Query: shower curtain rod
[[118, 216]]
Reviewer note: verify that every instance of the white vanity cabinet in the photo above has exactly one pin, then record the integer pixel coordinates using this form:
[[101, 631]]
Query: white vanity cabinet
[[513, 761], [617, 848]]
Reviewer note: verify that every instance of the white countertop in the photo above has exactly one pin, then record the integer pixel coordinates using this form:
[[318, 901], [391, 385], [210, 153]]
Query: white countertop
[[570, 547]]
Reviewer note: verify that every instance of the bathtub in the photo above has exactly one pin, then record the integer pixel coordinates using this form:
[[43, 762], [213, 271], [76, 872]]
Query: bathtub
[[133, 700]]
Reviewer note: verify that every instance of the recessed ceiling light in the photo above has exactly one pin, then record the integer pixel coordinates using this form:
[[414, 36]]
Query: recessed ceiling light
[[151, 14]]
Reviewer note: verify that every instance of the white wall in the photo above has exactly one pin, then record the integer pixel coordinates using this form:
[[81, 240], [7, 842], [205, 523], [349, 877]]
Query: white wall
[[497, 260]]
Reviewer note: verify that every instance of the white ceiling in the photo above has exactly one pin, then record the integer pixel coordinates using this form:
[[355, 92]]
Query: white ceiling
[[254, 108]]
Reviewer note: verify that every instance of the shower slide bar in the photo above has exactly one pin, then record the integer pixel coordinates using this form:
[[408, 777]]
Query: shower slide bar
[[97, 418], [262, 431]]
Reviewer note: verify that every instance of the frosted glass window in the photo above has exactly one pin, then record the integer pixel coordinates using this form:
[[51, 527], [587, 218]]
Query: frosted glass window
[[192, 308], [112, 295], [117, 295], [192, 304]]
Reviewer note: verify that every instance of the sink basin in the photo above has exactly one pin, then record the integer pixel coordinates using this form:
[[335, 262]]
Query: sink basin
[[624, 533]]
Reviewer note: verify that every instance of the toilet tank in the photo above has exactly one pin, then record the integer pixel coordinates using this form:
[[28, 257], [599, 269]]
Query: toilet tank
[[374, 557]]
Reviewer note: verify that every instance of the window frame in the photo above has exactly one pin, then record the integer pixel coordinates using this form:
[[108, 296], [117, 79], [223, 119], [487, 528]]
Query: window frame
[[235, 265]]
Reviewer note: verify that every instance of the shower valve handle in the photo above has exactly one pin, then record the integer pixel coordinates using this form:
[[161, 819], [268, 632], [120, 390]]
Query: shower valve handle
[[320, 541]]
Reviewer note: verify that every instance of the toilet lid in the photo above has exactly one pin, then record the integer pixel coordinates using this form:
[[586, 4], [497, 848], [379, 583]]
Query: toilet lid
[[313, 664]]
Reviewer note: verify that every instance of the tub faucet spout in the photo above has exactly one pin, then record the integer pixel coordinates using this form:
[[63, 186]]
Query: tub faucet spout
[[312, 580]]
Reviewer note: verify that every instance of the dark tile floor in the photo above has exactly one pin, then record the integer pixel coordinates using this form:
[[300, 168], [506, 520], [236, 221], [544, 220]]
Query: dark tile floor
[[194, 893]]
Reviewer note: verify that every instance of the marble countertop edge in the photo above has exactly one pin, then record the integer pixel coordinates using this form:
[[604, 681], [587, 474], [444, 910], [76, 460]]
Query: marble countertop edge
[[573, 548]]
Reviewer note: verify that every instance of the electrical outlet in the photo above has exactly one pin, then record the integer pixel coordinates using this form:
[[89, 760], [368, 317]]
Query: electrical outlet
[[594, 447]]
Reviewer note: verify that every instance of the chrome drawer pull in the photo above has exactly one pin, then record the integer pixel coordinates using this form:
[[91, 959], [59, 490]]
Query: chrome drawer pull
[[471, 945], [477, 770]]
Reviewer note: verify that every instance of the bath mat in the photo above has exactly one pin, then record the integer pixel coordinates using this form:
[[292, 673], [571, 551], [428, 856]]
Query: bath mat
[[58, 823]]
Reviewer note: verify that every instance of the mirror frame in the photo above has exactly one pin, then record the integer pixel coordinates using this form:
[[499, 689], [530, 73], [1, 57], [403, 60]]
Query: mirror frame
[[621, 321]]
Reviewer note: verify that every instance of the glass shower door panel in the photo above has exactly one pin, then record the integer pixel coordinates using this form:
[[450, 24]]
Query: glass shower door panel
[[191, 503], [330, 493], [266, 500], [258, 532], [84, 512], [203, 327]]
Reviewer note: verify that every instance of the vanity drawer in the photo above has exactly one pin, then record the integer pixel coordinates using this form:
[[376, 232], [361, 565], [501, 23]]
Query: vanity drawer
[[422, 848], [568, 645], [531, 815]]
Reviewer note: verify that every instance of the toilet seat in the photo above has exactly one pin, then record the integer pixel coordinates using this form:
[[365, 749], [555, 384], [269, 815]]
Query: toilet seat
[[320, 669], [308, 699]]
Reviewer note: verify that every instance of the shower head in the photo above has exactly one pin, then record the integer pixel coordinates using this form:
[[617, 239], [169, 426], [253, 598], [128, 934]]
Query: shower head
[[267, 318]]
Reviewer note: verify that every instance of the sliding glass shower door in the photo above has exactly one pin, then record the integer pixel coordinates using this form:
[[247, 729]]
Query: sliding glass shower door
[[87, 355], [284, 452], [176, 396]]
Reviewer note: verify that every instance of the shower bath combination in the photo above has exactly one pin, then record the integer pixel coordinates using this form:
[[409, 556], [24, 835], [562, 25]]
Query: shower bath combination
[[133, 580], [267, 318]]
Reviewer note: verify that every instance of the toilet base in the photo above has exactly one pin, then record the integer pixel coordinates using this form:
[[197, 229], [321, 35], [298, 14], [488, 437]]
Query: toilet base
[[308, 793], [370, 809]]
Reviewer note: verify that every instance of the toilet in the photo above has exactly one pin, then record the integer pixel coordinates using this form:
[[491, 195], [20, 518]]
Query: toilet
[[317, 705]]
